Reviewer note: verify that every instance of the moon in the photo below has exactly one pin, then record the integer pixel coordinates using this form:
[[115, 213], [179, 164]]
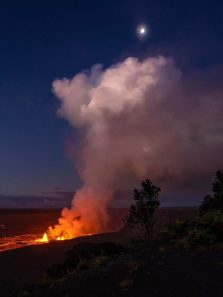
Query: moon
[[142, 31]]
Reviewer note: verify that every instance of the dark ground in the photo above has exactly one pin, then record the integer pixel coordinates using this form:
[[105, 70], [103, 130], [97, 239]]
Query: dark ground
[[180, 273], [148, 272]]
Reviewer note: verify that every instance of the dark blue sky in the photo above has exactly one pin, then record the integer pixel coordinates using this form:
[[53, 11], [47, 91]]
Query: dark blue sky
[[44, 40]]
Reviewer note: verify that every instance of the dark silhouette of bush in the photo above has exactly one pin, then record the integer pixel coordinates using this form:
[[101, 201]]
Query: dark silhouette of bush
[[141, 213], [179, 229], [218, 184], [200, 237], [214, 202], [85, 256], [206, 227], [212, 222]]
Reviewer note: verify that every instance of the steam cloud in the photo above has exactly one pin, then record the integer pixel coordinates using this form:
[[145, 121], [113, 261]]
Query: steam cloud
[[136, 120]]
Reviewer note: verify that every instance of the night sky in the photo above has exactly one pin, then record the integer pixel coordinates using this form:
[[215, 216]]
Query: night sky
[[44, 40]]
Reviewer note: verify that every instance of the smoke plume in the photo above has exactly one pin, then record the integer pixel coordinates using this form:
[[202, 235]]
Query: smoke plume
[[137, 119]]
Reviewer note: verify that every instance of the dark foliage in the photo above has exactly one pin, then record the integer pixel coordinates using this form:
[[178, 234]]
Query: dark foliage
[[214, 202], [179, 229], [83, 256], [149, 271], [205, 228], [218, 184], [141, 213]]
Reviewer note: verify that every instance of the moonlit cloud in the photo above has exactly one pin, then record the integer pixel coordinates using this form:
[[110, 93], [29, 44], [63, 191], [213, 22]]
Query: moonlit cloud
[[140, 119], [146, 117]]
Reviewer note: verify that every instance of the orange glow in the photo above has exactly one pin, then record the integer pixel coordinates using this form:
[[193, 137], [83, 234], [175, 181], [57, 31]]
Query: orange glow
[[43, 239], [60, 238], [87, 215]]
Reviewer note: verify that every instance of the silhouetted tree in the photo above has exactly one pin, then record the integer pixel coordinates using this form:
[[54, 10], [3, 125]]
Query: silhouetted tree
[[214, 202], [141, 213], [217, 185]]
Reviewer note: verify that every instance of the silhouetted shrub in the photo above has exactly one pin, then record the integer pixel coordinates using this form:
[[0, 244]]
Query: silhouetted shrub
[[203, 229], [84, 256], [213, 222], [214, 202], [179, 229], [200, 237]]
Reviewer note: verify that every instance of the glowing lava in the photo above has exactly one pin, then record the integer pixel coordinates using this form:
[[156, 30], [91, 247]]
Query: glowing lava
[[60, 238], [44, 239]]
